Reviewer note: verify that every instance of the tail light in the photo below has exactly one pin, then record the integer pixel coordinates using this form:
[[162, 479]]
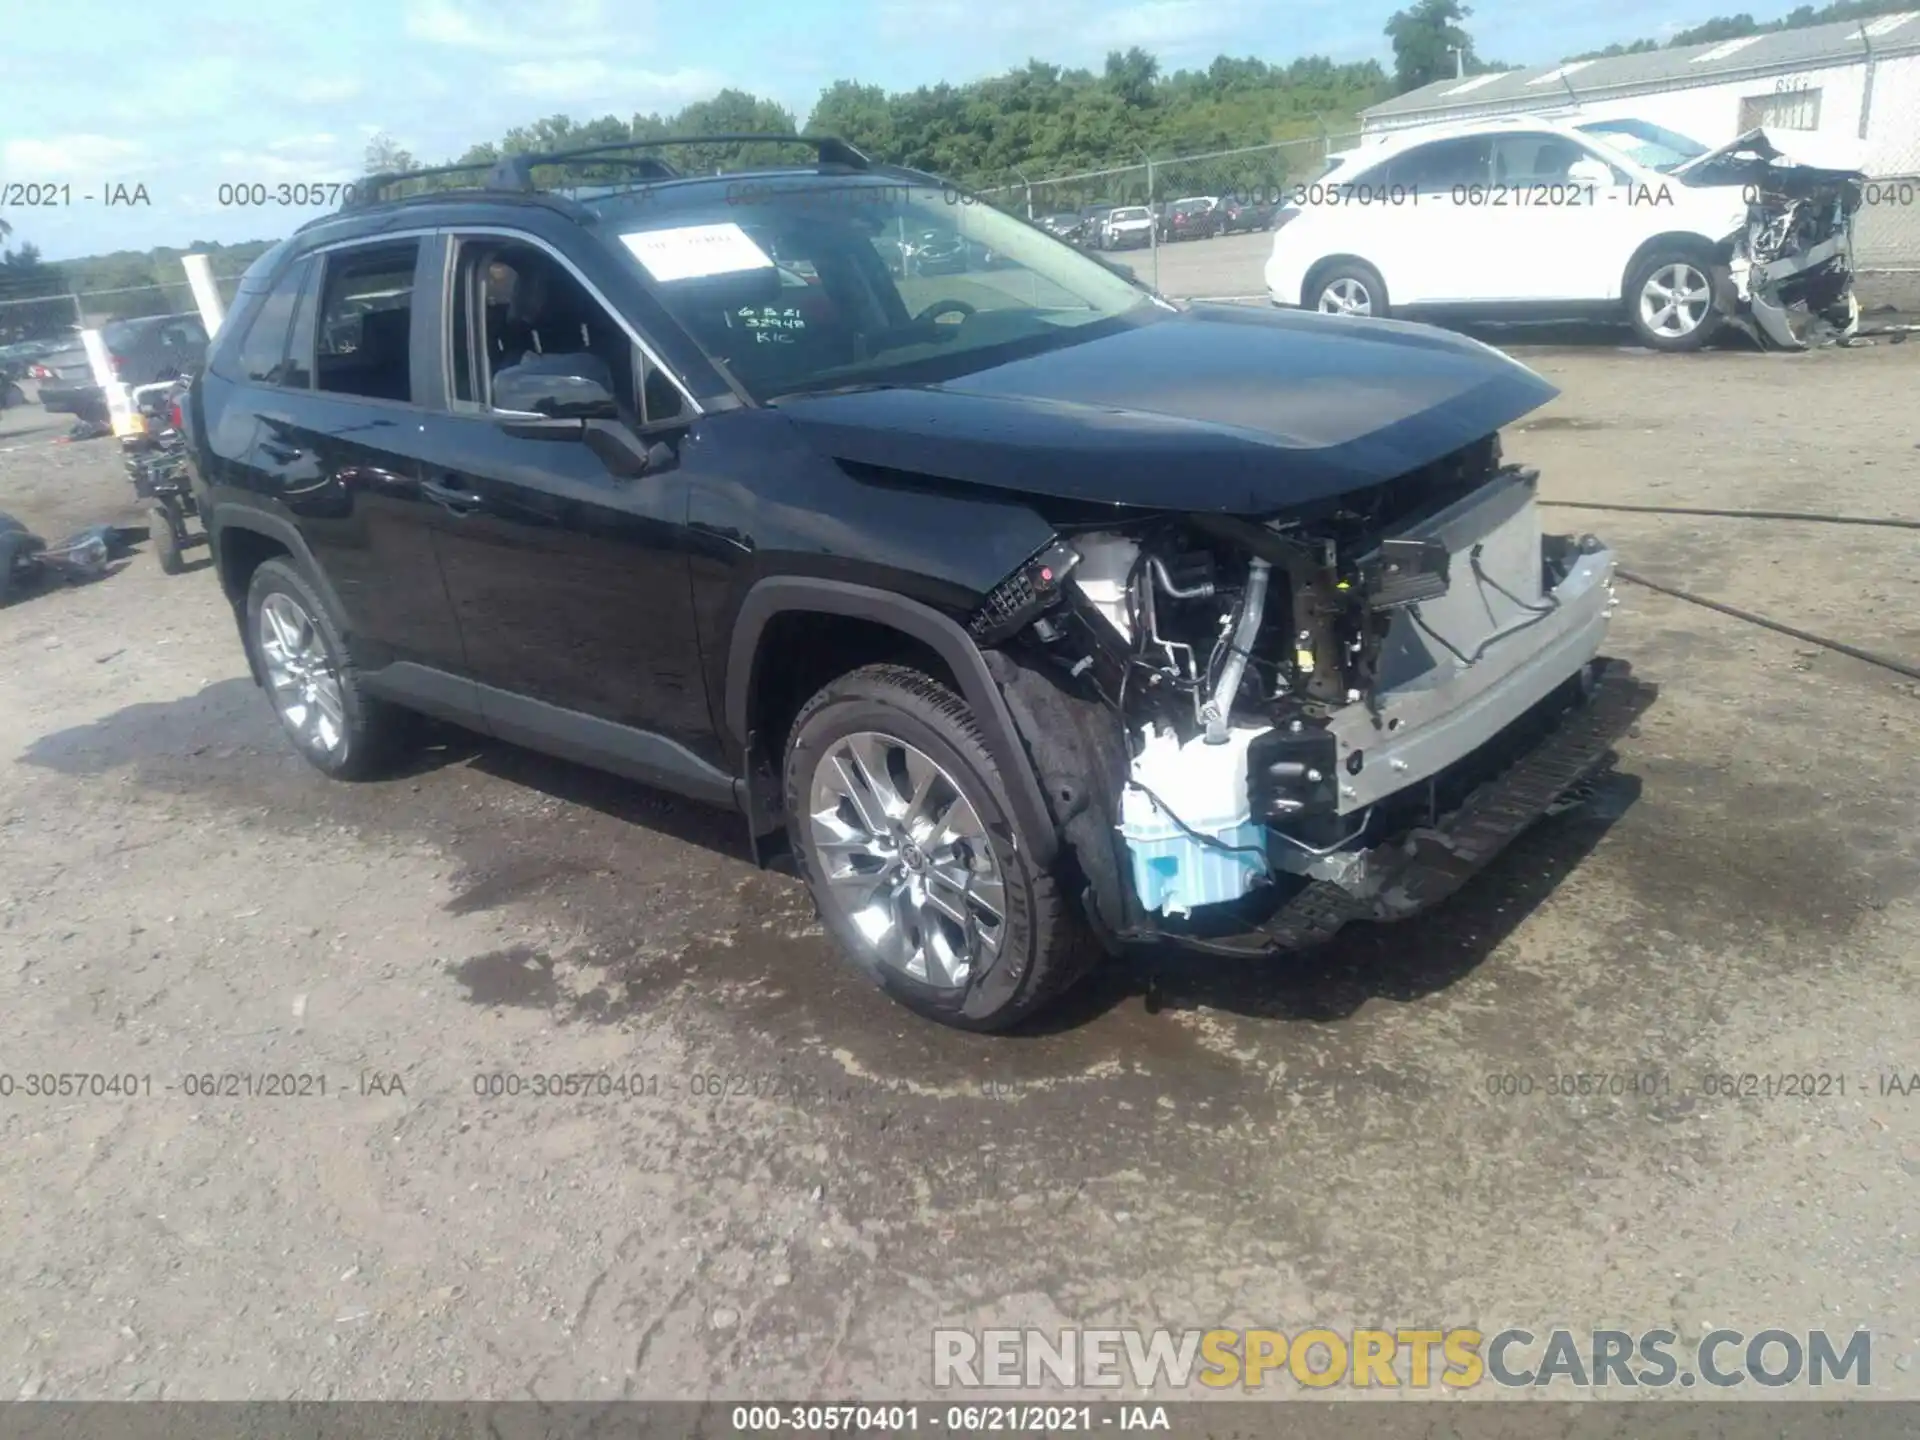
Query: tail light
[[174, 416], [39, 372], [118, 363]]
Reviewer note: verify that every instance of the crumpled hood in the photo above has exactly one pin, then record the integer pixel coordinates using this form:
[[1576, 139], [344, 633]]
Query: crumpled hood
[[1222, 408], [1761, 151]]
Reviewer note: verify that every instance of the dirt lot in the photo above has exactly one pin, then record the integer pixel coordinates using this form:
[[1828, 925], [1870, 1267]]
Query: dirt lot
[[1308, 1141]]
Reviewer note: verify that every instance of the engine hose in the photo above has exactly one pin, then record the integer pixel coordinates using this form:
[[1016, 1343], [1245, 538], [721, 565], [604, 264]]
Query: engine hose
[[1899, 667], [1886, 521]]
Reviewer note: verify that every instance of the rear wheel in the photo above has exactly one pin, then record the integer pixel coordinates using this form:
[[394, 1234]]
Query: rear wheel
[[901, 826], [15, 546], [315, 689], [166, 539], [1348, 287], [1670, 300]]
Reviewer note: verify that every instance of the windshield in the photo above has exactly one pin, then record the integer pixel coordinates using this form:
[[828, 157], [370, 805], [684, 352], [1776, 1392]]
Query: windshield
[[901, 282], [1132, 212], [1645, 143]]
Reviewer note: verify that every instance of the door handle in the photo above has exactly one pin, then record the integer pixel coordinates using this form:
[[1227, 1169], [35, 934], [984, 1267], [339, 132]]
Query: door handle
[[285, 454], [449, 495]]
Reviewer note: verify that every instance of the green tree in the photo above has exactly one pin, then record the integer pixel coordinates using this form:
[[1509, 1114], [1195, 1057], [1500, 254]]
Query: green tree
[[1425, 38], [1131, 76], [385, 156]]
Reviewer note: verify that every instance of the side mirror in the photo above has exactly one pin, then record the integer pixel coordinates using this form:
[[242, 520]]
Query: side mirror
[[573, 387], [1589, 170]]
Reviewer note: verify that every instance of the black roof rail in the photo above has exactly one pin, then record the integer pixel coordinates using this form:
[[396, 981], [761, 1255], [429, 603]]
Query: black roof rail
[[515, 172]]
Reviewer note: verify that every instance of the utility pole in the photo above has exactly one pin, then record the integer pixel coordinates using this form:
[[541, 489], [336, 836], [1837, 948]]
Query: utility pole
[[1459, 61]]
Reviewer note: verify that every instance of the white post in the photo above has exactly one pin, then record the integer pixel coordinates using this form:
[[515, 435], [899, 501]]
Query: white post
[[206, 294], [119, 406]]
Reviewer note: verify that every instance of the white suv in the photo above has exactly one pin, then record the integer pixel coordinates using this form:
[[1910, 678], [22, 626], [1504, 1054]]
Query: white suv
[[1127, 227], [1521, 217]]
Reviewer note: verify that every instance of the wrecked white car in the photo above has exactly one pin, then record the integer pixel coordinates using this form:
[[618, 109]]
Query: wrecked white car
[[1544, 218], [1789, 268]]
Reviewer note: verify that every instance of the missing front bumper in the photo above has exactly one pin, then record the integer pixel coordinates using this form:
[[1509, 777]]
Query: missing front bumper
[[1419, 869]]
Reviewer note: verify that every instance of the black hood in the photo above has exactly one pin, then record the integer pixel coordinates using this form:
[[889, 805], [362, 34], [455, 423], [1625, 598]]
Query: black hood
[[1222, 408]]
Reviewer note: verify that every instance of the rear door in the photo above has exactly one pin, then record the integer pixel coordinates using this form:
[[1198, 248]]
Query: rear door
[[571, 581], [1549, 232], [1424, 213], [339, 443]]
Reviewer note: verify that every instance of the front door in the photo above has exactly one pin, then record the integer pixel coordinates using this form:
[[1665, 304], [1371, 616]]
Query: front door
[[570, 579]]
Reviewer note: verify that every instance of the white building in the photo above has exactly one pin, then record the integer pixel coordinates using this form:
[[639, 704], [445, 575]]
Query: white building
[[1855, 80]]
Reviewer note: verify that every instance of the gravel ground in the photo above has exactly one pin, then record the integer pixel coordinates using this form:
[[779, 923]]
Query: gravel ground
[[811, 1180]]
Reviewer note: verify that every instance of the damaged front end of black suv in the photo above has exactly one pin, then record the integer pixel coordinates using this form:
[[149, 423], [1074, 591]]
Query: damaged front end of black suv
[[1253, 731]]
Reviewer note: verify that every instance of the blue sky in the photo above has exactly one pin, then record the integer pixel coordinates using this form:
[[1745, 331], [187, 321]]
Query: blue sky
[[182, 97]]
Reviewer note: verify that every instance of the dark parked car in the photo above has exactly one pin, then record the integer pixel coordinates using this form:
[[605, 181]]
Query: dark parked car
[[1028, 649], [1190, 220], [142, 352], [1239, 216], [938, 252], [14, 360]]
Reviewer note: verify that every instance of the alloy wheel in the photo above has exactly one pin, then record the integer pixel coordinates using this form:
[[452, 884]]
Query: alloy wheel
[[1346, 296], [301, 676], [905, 859], [1674, 300]]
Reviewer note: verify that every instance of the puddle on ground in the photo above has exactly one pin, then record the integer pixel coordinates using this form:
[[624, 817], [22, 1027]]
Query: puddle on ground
[[1562, 422]]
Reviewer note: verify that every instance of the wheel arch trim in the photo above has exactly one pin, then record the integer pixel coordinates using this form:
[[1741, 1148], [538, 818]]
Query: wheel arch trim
[[775, 596], [1712, 251], [234, 515], [1312, 275]]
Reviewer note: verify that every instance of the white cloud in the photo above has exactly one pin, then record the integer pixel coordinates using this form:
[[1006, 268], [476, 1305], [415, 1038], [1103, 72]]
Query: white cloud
[[1172, 24], [505, 27], [325, 90], [71, 157], [323, 141], [315, 158], [585, 83]]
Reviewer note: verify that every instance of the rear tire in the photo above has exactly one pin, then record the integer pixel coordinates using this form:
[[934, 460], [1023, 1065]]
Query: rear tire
[[1347, 287], [15, 546], [1670, 300], [297, 650], [166, 540], [902, 829]]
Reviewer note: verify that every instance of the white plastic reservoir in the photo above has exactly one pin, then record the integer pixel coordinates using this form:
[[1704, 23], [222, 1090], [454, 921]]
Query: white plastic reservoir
[[1206, 787]]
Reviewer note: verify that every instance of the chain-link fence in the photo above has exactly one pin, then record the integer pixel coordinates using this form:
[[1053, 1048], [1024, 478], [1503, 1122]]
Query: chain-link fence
[[60, 315], [1247, 182], [1887, 232]]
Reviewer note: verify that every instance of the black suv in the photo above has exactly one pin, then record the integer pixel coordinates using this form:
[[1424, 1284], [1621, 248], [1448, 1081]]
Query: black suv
[[1039, 615]]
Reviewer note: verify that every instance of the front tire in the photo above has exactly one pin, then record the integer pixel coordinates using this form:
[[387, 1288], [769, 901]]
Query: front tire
[[902, 829], [1348, 287], [1670, 300], [297, 650]]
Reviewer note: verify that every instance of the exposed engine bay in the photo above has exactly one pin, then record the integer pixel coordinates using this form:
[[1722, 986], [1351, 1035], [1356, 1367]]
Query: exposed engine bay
[[1790, 268], [1296, 692]]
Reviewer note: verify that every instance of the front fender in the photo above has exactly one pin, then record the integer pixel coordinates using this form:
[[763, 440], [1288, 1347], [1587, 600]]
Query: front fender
[[780, 594]]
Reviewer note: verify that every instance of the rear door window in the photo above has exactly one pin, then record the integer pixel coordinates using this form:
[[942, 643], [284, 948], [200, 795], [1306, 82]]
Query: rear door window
[[364, 332], [1437, 167], [1532, 158], [263, 351]]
